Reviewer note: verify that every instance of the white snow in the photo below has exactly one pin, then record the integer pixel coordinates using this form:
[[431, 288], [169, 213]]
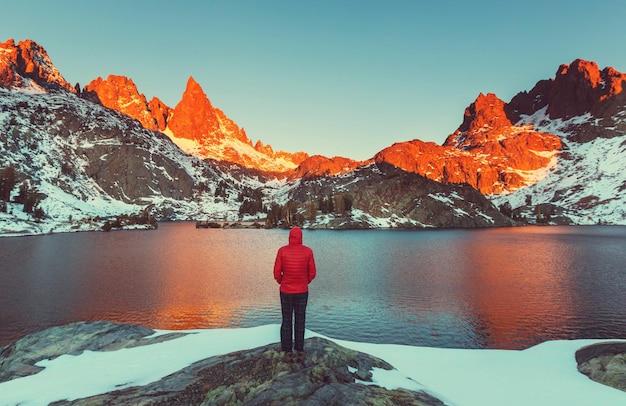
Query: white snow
[[586, 179], [224, 149], [542, 375], [442, 198]]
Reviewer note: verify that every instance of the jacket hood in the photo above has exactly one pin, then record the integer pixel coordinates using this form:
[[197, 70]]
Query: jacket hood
[[295, 236]]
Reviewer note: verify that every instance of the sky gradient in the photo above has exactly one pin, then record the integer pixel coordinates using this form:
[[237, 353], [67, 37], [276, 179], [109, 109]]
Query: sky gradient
[[336, 78]]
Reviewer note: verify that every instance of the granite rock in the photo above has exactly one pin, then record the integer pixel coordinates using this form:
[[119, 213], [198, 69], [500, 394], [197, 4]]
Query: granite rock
[[604, 363], [325, 374]]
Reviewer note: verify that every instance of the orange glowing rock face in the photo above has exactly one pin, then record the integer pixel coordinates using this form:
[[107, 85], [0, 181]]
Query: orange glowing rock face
[[487, 151], [578, 87], [160, 112], [120, 93], [194, 117], [28, 60], [318, 165]]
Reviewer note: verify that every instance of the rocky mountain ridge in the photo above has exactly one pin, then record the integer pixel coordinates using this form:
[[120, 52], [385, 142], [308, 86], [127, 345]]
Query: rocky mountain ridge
[[506, 149], [27, 65], [70, 163], [555, 151], [551, 154], [194, 124]]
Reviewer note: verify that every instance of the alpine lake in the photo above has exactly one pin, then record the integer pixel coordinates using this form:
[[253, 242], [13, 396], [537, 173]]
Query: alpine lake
[[506, 288]]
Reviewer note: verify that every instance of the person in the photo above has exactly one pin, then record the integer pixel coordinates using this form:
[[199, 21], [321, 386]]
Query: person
[[294, 269]]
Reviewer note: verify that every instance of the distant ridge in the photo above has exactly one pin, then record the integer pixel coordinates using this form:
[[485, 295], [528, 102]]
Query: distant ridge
[[552, 155], [194, 124]]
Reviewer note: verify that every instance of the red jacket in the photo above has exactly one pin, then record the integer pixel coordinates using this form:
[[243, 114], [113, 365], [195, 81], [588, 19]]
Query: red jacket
[[294, 267]]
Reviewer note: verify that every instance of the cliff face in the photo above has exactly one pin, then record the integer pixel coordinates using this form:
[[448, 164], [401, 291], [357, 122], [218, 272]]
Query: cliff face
[[120, 93], [578, 88], [501, 147], [194, 124], [487, 152], [26, 64]]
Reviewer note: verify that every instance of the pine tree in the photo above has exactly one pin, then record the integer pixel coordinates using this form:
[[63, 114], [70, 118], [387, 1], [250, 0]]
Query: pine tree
[[311, 211], [8, 180], [340, 207]]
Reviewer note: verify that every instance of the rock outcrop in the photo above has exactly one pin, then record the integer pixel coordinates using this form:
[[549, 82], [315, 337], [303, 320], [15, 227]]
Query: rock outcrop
[[18, 359], [27, 61], [194, 124], [578, 88], [604, 363], [487, 151], [120, 93], [328, 375], [387, 194], [318, 166]]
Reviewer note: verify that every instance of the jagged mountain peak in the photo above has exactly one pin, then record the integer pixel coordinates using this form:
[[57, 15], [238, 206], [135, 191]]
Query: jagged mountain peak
[[27, 65], [481, 118], [195, 118], [578, 88], [541, 143], [194, 124], [193, 88], [607, 82], [120, 93]]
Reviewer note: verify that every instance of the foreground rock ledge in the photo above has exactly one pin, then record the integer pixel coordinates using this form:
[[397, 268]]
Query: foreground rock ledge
[[329, 375], [604, 363]]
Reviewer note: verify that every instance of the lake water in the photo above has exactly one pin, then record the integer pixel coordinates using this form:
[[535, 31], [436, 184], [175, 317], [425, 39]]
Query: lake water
[[498, 288]]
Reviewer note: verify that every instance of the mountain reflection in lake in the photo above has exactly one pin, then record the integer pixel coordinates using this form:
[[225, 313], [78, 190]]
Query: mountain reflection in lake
[[500, 288]]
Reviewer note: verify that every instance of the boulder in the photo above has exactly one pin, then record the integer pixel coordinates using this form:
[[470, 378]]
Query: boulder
[[266, 376], [604, 363], [18, 359]]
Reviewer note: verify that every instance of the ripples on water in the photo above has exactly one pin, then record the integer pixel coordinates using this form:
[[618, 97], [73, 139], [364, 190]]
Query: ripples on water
[[501, 288]]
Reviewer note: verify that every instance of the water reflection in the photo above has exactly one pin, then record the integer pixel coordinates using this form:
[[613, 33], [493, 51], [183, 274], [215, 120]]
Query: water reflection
[[505, 288], [512, 284]]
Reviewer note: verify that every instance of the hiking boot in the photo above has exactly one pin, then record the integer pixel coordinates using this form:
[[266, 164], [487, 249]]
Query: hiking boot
[[299, 357], [288, 356]]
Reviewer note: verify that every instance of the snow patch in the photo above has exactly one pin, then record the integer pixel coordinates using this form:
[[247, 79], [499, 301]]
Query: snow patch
[[542, 375]]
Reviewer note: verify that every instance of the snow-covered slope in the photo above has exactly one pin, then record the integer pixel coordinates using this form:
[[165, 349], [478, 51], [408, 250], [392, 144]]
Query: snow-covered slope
[[554, 154], [588, 179], [85, 162]]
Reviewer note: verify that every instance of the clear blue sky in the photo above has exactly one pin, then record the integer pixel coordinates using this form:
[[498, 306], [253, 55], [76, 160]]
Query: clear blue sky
[[344, 78]]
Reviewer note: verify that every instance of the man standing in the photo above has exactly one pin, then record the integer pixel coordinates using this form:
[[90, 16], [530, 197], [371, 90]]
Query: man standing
[[294, 269]]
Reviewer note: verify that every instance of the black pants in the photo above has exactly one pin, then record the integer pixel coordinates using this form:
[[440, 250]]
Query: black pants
[[293, 303]]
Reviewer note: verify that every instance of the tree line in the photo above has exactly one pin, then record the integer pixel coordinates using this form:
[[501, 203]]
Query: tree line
[[293, 213], [27, 196]]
